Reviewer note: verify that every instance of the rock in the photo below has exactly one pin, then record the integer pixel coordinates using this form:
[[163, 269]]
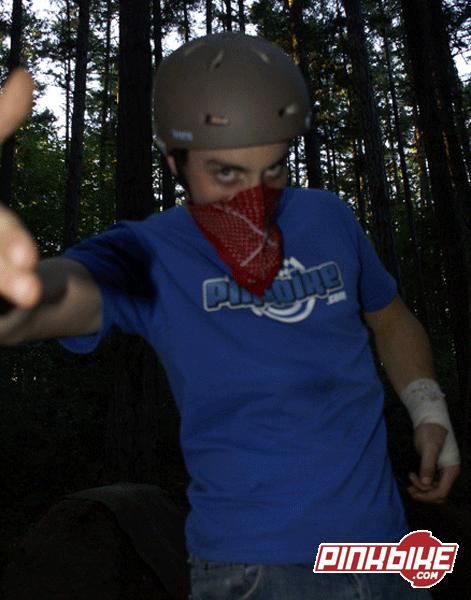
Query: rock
[[117, 542]]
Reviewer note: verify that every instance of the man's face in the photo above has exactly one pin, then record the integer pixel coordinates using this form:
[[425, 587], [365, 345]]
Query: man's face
[[215, 174]]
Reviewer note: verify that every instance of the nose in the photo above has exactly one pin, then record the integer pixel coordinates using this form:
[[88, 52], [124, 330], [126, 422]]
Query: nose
[[256, 179]]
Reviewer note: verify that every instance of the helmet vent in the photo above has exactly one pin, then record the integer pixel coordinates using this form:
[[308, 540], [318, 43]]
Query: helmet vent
[[289, 110], [217, 60], [193, 47], [262, 55], [216, 120]]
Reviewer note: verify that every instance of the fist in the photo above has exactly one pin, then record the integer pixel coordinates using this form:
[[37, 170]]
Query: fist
[[19, 257]]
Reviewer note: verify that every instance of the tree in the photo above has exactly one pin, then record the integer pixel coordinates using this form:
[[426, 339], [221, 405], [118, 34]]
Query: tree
[[6, 166], [168, 188], [209, 17], [131, 435], [74, 176], [241, 16], [228, 15], [385, 27], [105, 126], [423, 23], [134, 192], [68, 77], [295, 8], [371, 133]]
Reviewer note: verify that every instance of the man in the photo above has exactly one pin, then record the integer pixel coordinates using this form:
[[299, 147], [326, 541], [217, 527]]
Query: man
[[255, 297]]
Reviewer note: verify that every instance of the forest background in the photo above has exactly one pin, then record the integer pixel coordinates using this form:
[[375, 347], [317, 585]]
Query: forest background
[[390, 137]]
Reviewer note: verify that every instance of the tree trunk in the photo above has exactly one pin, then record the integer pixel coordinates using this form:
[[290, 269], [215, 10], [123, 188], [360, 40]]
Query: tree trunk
[[422, 311], [371, 132], [105, 136], [74, 175], [335, 180], [209, 17], [359, 163], [328, 142], [168, 187], [241, 16], [425, 193], [461, 118], [131, 440], [393, 197], [296, 162], [6, 166], [360, 185], [448, 94], [135, 197], [186, 23], [68, 79], [228, 16], [131, 435], [311, 141], [436, 307]]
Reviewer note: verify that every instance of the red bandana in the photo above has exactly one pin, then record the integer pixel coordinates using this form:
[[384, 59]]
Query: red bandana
[[241, 228]]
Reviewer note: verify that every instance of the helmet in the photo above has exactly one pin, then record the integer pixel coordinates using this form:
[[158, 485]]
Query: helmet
[[228, 90]]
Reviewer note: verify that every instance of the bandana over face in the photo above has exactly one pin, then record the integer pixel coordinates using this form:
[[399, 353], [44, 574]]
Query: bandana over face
[[246, 238]]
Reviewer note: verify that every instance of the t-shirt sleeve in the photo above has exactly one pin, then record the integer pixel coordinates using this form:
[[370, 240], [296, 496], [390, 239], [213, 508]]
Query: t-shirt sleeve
[[376, 286], [121, 268]]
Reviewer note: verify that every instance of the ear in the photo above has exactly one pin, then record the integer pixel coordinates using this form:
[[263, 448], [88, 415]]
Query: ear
[[171, 164]]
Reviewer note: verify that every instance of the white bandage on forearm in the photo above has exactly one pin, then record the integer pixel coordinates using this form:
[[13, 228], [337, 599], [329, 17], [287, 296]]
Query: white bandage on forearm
[[425, 403]]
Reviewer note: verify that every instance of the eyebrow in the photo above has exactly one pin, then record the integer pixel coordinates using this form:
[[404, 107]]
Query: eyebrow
[[218, 163]]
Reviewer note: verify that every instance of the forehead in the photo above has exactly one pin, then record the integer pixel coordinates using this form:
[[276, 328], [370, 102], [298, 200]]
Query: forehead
[[252, 156]]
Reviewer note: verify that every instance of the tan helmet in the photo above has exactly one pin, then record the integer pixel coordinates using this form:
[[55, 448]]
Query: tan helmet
[[228, 90]]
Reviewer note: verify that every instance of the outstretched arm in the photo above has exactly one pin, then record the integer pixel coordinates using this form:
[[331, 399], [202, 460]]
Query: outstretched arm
[[39, 299]]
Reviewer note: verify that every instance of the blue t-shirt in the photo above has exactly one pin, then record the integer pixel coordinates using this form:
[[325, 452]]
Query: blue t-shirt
[[281, 406]]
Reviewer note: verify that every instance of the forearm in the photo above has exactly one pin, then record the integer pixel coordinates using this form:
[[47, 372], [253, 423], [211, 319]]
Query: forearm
[[70, 305], [17, 321], [405, 352]]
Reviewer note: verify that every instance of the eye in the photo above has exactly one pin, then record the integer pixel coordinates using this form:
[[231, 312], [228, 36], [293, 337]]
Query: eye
[[275, 171], [226, 175]]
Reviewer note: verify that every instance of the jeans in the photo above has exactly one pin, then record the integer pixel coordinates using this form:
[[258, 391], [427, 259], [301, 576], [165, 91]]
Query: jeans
[[217, 580]]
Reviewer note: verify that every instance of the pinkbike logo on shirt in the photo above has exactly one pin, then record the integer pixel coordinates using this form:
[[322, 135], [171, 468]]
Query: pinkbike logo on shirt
[[291, 298], [419, 557]]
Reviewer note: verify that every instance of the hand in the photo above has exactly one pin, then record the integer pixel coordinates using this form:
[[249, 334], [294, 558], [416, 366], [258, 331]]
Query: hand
[[16, 100], [19, 255], [434, 483]]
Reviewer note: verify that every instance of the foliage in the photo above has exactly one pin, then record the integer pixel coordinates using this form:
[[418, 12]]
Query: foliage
[[39, 181]]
